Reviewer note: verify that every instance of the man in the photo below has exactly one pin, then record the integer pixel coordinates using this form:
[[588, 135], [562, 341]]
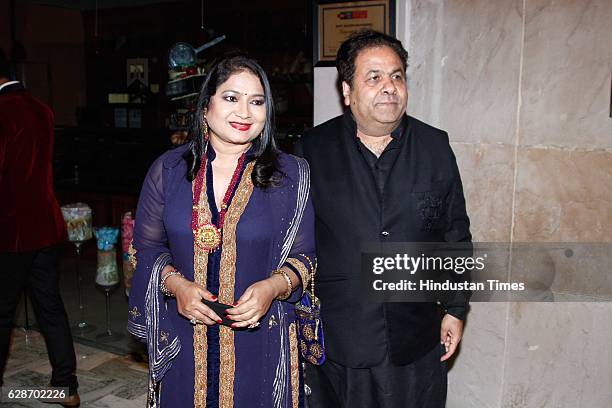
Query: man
[[32, 227], [379, 175]]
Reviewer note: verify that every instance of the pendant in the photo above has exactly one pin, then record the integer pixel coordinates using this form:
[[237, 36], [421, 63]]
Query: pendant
[[208, 237]]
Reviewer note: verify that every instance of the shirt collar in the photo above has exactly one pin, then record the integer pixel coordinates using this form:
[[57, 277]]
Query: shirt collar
[[395, 134], [399, 130], [8, 83]]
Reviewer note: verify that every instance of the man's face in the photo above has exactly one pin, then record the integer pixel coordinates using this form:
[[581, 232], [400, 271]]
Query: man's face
[[379, 93]]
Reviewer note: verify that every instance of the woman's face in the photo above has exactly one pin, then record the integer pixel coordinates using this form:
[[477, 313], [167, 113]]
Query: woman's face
[[237, 111]]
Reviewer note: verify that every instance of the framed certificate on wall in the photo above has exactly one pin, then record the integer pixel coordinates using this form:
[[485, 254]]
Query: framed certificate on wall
[[335, 21]]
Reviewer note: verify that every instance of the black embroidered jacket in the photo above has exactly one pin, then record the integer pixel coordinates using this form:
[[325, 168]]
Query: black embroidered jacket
[[421, 201]]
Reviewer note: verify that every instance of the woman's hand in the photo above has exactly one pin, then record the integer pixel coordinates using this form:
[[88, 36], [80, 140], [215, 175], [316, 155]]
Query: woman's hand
[[256, 300], [189, 297]]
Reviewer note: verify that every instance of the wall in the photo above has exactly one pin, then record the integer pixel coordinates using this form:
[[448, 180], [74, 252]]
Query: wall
[[327, 100], [523, 88], [54, 36]]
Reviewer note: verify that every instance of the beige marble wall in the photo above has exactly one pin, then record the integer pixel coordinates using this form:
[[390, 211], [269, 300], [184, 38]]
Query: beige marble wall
[[563, 195], [566, 74], [558, 355], [487, 171], [523, 88], [464, 67], [327, 102], [475, 378]]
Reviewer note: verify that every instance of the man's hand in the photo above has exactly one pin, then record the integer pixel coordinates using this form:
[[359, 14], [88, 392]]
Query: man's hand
[[450, 335]]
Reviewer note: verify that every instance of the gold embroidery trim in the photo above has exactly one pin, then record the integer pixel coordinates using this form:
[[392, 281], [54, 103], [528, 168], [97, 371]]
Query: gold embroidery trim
[[227, 281], [135, 313], [301, 268], [132, 254], [163, 337], [200, 345], [295, 365]]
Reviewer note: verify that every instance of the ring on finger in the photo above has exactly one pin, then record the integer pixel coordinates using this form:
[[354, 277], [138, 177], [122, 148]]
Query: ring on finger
[[253, 325], [193, 320]]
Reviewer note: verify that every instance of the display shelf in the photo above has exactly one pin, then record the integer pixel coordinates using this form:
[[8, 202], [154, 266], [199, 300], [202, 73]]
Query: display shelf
[[178, 98], [186, 78]]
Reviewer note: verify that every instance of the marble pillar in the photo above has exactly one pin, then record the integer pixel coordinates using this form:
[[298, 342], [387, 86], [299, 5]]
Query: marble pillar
[[523, 88]]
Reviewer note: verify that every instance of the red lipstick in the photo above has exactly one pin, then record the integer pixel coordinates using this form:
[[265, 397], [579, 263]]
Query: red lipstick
[[241, 126]]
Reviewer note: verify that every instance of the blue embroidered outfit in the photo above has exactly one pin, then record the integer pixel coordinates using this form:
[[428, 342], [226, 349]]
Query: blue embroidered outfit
[[215, 366]]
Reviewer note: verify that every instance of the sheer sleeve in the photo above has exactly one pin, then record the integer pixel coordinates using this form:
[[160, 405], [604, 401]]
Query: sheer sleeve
[[150, 245], [148, 318], [149, 230], [302, 257]]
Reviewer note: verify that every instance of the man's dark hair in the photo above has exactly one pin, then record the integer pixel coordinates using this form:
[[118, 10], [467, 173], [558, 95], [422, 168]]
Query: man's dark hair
[[360, 40], [5, 66]]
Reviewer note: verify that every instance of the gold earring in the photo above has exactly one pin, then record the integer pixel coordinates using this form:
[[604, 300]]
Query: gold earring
[[204, 125]]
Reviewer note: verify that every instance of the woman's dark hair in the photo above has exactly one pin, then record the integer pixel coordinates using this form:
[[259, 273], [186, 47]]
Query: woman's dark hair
[[360, 40], [265, 172]]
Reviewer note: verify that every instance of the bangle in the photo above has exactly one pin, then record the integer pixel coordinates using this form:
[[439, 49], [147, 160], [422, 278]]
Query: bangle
[[300, 269], [313, 271], [289, 285], [162, 286], [312, 268]]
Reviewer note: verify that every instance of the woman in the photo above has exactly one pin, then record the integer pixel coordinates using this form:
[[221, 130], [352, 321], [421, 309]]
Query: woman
[[226, 219]]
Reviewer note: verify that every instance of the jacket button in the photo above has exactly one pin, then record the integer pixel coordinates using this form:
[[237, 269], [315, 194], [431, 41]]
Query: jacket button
[[384, 234]]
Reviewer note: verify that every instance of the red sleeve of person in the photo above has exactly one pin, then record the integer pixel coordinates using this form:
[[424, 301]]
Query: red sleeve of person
[[30, 216]]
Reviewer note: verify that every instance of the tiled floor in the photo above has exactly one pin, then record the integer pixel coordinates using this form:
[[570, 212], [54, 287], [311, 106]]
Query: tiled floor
[[105, 379]]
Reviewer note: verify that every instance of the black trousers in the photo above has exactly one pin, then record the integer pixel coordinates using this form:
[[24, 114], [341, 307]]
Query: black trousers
[[421, 384], [37, 273]]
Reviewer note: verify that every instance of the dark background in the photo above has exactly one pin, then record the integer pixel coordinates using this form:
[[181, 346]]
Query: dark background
[[72, 54]]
